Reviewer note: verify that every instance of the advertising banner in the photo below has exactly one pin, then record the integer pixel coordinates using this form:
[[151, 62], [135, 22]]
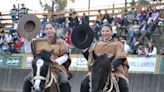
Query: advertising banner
[[10, 61]]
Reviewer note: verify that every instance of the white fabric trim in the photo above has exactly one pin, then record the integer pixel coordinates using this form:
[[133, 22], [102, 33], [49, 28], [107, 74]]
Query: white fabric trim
[[62, 59]]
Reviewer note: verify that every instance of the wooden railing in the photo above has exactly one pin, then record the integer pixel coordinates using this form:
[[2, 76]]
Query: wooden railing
[[6, 18]]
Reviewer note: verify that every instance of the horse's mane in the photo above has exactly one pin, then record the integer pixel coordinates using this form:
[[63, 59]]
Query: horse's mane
[[101, 71]]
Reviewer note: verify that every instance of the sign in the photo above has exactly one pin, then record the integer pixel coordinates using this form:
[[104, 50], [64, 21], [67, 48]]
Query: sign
[[10, 61], [142, 64], [79, 63], [29, 62], [137, 64]]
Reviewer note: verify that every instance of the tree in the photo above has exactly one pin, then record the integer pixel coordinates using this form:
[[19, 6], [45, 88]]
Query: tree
[[143, 2], [54, 5], [133, 2]]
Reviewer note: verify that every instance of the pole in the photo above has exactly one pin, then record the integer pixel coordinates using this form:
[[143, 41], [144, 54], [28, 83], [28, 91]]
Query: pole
[[125, 6], [88, 7], [113, 8]]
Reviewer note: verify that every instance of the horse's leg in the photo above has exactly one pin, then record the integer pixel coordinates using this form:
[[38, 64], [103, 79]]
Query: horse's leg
[[85, 84], [54, 88], [65, 87], [27, 84]]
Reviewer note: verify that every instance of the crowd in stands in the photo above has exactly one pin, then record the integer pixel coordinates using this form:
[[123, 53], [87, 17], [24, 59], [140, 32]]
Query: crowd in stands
[[17, 13], [138, 25]]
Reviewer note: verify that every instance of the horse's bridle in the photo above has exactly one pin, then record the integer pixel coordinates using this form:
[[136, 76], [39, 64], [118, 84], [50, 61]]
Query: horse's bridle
[[49, 78], [105, 89]]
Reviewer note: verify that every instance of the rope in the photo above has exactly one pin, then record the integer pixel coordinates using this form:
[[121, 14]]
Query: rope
[[51, 81], [90, 81], [113, 82]]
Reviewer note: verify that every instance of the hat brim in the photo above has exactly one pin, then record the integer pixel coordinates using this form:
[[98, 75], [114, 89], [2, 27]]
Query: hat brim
[[82, 36], [29, 26]]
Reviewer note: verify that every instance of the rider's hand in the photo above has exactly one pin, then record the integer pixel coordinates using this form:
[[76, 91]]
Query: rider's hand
[[45, 55]]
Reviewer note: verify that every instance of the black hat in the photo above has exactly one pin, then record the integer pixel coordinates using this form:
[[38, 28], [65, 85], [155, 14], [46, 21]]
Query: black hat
[[82, 36]]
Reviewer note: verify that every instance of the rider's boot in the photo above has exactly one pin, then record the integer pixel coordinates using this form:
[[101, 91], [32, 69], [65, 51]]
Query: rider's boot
[[27, 84], [123, 85], [85, 85], [65, 87]]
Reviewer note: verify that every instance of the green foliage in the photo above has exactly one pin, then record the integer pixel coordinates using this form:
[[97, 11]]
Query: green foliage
[[143, 2], [54, 5], [60, 5]]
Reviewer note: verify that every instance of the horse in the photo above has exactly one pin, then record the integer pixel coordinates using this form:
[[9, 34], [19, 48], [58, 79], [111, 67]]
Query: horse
[[102, 79], [43, 79]]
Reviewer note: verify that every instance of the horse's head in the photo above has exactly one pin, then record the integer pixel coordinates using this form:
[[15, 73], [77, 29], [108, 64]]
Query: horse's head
[[41, 73], [101, 70]]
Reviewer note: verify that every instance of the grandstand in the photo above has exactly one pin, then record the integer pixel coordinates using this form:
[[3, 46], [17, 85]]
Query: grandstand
[[21, 59]]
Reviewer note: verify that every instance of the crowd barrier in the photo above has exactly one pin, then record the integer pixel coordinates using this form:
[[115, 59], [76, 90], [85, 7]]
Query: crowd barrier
[[141, 64], [12, 80], [145, 75]]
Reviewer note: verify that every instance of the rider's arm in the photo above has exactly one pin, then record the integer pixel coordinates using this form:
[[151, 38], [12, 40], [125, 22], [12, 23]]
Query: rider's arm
[[117, 62], [120, 56], [62, 59]]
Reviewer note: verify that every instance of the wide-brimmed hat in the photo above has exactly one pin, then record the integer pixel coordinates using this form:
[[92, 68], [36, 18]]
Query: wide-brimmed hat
[[82, 36], [29, 26]]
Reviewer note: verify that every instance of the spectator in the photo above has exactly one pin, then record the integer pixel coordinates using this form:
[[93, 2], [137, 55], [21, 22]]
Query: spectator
[[42, 31], [63, 20], [136, 26], [126, 46], [99, 18], [114, 29], [14, 13], [13, 49], [106, 16], [18, 44], [8, 37], [134, 30], [67, 38], [85, 19], [76, 21], [141, 49], [151, 50], [5, 47], [134, 45], [70, 20], [45, 19], [56, 21], [23, 11], [2, 38]]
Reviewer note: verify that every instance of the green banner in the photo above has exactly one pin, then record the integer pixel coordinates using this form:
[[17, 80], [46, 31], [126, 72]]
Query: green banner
[[10, 61]]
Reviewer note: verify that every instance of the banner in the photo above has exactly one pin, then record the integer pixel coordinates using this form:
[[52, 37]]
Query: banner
[[10, 61], [29, 62], [78, 63], [137, 64], [142, 64]]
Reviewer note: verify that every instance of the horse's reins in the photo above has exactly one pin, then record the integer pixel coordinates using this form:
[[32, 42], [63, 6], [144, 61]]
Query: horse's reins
[[49, 78], [113, 81]]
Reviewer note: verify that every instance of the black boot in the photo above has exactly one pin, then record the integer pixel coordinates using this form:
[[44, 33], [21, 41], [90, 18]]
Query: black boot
[[85, 84], [27, 84], [123, 85], [65, 87]]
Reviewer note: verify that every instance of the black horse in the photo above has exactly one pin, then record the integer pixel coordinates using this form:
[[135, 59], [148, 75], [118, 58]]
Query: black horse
[[101, 74], [43, 79]]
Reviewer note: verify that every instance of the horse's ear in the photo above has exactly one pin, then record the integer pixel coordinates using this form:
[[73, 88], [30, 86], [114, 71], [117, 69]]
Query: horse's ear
[[94, 55]]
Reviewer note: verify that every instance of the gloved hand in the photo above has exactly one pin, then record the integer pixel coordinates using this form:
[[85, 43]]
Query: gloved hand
[[45, 55]]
